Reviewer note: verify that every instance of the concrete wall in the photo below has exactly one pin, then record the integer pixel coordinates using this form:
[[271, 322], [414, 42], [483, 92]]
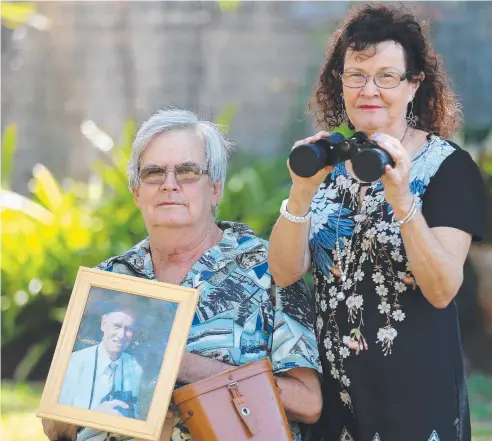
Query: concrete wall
[[113, 61]]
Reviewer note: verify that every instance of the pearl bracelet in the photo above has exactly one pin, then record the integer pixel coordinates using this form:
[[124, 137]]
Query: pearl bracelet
[[291, 217], [410, 214]]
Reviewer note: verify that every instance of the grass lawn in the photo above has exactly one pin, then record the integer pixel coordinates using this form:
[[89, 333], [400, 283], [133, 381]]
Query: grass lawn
[[19, 403]]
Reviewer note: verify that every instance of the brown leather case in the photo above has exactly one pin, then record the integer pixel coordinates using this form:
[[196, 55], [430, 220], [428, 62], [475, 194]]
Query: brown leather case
[[242, 404]]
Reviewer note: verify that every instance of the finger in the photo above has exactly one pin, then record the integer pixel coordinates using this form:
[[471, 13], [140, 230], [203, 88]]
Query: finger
[[392, 146], [322, 134], [311, 139], [303, 141], [298, 143], [118, 403], [390, 175], [289, 168], [384, 139]]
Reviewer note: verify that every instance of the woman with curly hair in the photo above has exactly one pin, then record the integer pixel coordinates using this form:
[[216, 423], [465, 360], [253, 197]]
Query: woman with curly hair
[[387, 256]]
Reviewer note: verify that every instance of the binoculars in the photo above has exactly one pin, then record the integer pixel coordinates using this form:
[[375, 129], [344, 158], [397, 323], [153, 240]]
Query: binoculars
[[368, 159]]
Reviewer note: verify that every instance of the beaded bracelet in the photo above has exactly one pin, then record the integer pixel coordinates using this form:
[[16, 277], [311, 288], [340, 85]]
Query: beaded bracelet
[[291, 217]]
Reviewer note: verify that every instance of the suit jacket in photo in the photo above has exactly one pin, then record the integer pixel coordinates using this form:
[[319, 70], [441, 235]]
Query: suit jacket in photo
[[82, 386]]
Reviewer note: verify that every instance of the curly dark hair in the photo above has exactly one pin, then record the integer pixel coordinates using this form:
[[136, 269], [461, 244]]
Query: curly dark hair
[[435, 103]]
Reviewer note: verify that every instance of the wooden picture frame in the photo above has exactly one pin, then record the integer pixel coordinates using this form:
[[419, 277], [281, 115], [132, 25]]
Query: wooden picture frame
[[69, 375]]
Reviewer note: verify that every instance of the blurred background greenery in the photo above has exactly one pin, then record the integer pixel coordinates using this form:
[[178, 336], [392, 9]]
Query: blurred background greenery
[[63, 222]]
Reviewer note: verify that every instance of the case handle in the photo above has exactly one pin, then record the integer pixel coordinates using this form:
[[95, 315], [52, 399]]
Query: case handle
[[242, 407]]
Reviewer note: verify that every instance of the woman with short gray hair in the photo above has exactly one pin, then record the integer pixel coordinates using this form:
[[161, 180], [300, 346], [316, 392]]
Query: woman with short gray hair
[[172, 152]]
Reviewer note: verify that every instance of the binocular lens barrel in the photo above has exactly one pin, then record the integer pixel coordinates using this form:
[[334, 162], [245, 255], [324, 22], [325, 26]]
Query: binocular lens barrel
[[369, 164], [368, 160], [307, 159]]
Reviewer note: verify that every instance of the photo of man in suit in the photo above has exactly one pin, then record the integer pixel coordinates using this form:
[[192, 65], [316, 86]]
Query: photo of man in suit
[[104, 377]]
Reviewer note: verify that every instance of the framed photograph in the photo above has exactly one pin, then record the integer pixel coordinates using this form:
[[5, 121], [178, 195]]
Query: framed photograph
[[118, 354]]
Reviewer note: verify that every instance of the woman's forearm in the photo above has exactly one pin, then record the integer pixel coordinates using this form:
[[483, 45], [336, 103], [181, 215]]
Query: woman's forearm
[[288, 255], [437, 271]]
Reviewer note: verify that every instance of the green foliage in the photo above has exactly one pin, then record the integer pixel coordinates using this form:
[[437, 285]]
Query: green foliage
[[20, 397], [48, 236], [8, 150], [253, 193]]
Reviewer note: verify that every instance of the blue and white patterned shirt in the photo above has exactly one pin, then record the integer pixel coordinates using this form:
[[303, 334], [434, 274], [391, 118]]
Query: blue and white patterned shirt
[[239, 318]]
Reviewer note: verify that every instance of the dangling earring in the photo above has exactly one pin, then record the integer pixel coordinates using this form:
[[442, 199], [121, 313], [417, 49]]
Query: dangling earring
[[342, 116], [411, 118]]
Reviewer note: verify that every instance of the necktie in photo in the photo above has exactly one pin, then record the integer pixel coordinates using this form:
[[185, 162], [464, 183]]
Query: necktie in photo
[[111, 376]]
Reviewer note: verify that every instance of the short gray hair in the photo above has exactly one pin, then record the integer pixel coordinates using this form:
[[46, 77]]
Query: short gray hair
[[217, 147]]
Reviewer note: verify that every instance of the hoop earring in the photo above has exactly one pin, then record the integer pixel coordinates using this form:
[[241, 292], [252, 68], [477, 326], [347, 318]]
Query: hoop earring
[[411, 118]]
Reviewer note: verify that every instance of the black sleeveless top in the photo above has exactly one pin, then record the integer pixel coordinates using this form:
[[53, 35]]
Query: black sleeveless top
[[392, 362]]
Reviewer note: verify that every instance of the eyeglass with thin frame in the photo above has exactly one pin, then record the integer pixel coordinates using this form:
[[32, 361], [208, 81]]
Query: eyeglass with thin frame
[[186, 173], [383, 80]]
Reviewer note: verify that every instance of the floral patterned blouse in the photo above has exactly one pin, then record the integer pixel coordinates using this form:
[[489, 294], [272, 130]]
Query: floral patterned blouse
[[392, 362]]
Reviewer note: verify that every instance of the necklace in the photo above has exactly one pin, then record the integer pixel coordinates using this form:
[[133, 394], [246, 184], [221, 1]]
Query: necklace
[[343, 271], [404, 134], [349, 253], [338, 254]]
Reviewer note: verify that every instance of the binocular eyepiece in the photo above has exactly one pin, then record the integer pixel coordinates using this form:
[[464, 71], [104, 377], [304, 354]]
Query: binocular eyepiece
[[368, 159]]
